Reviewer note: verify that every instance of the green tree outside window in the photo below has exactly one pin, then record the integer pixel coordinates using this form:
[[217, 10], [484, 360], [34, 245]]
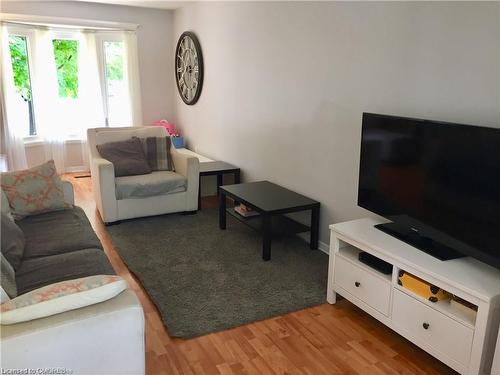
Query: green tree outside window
[[20, 68], [114, 60], [66, 56]]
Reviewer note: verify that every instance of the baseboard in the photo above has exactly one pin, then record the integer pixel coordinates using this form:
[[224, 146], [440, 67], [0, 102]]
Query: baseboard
[[76, 169], [321, 245], [324, 247]]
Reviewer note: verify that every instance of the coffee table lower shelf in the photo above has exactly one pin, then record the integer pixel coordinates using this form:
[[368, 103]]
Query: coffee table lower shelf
[[280, 225]]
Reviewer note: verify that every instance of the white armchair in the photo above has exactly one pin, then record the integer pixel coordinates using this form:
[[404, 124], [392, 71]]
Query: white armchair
[[104, 184]]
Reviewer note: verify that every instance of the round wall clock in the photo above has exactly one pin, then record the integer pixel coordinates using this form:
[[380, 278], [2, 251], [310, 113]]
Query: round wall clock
[[189, 67]]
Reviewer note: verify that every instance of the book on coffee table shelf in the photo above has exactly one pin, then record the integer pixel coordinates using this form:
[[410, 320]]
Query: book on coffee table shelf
[[245, 211]]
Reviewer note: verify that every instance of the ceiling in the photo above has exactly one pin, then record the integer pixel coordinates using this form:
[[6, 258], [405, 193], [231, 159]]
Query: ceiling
[[157, 4]]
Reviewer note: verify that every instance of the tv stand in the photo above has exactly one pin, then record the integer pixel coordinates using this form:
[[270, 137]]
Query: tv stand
[[413, 238], [455, 334]]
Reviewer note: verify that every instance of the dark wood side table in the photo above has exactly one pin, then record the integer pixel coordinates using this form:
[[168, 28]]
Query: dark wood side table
[[271, 201], [219, 169]]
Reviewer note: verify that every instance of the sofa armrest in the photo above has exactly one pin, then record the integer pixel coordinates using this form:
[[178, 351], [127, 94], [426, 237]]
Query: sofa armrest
[[106, 338], [69, 196], [189, 167], [103, 185]]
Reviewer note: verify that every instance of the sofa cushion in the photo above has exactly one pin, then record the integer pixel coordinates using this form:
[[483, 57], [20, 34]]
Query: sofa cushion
[[58, 232], [37, 272], [12, 241], [61, 297], [8, 279], [34, 191], [156, 183], [127, 157]]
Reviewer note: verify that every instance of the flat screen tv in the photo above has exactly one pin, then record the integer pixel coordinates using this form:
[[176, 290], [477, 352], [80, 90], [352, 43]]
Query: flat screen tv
[[438, 183]]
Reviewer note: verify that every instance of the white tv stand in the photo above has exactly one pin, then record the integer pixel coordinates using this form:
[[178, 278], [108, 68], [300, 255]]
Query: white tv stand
[[464, 341]]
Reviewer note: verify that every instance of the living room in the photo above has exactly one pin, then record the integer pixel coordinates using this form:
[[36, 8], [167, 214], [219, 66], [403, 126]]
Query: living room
[[283, 92]]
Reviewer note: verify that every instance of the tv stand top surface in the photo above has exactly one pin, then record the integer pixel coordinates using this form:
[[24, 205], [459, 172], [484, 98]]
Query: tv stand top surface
[[467, 274]]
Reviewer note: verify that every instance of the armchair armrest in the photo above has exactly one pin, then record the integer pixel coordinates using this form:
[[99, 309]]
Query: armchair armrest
[[103, 185], [189, 167]]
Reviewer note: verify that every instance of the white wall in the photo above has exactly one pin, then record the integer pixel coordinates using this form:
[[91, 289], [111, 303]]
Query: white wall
[[286, 84], [154, 38]]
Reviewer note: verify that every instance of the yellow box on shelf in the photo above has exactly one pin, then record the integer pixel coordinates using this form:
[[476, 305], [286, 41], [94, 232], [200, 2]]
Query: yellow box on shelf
[[422, 287]]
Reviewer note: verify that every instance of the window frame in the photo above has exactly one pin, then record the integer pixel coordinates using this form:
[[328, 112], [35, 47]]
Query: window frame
[[29, 35], [101, 38]]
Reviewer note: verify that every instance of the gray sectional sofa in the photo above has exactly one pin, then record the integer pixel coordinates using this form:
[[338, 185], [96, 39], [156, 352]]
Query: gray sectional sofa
[[107, 337]]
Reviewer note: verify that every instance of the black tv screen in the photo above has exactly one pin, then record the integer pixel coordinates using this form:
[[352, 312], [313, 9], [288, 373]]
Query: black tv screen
[[439, 183]]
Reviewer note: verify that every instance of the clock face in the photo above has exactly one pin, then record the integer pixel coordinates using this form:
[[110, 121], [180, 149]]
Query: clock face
[[189, 68]]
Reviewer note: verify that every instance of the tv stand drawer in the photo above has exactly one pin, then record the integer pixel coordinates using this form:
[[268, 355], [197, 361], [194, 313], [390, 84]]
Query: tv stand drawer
[[437, 330], [368, 288]]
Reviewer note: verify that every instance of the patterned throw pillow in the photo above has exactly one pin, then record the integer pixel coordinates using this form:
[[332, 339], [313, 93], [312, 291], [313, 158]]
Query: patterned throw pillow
[[157, 151], [34, 191], [60, 297]]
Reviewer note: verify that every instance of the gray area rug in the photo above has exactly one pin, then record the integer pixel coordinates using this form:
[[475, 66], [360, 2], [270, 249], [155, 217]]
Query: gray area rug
[[204, 280]]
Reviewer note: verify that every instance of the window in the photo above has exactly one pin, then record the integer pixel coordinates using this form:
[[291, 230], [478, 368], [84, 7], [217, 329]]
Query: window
[[65, 81], [66, 56], [18, 47], [117, 96]]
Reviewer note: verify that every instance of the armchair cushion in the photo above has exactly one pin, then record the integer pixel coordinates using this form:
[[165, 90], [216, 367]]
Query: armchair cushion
[[60, 297], [156, 183], [127, 157]]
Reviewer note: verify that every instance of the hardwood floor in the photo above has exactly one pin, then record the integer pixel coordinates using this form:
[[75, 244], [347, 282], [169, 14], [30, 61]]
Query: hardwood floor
[[327, 339]]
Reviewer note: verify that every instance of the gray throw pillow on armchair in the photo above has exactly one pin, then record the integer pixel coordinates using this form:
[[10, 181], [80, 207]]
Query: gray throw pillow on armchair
[[127, 157], [12, 241]]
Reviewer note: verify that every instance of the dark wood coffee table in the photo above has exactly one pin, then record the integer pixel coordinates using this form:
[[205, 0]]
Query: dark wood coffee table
[[271, 201]]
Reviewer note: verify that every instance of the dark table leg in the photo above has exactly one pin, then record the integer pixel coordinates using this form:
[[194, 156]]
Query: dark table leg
[[222, 211], [219, 181], [236, 181], [266, 237], [314, 227]]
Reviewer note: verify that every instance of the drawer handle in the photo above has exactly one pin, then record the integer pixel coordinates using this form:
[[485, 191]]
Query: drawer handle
[[426, 325], [357, 284]]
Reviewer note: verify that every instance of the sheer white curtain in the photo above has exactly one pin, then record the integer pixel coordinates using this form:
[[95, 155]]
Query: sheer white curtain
[[12, 113], [90, 111], [49, 112], [60, 119], [131, 66], [89, 108]]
